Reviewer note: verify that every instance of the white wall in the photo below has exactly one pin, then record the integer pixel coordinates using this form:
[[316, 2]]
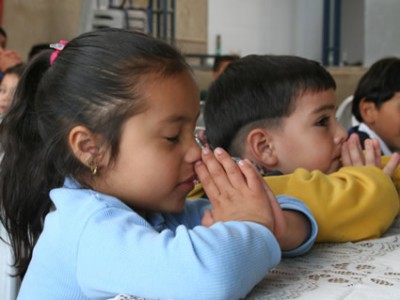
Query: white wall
[[266, 26], [382, 26], [370, 28], [353, 31]]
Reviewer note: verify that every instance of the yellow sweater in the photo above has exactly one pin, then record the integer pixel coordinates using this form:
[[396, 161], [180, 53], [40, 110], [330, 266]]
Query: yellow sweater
[[352, 204]]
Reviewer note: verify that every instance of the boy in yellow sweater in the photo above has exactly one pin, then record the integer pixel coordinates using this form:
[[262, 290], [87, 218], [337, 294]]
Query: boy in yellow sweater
[[279, 112]]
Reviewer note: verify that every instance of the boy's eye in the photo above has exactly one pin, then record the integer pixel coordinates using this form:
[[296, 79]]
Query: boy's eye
[[173, 139], [323, 122]]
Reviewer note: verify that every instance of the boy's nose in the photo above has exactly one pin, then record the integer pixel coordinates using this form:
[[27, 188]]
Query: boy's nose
[[341, 134]]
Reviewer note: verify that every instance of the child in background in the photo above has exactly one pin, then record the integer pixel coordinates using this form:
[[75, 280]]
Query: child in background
[[219, 65], [8, 85], [221, 62], [99, 158], [376, 105], [279, 112], [8, 58]]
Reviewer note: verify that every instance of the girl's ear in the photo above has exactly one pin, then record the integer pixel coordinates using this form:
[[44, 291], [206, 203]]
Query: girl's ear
[[84, 144], [368, 111], [261, 147]]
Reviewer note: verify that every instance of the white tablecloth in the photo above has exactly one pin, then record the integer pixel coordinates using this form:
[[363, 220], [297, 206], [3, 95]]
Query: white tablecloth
[[363, 270]]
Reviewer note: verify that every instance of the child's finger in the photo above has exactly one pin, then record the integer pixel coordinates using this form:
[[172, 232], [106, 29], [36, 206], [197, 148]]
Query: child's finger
[[214, 161], [355, 150], [206, 179], [370, 158], [232, 172], [252, 177], [372, 153], [377, 148], [345, 156], [392, 164]]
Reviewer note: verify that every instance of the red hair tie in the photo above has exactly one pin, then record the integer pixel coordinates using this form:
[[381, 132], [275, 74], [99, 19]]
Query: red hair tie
[[58, 47]]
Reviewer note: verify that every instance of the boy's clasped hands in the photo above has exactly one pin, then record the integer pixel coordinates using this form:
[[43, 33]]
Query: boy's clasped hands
[[353, 155]]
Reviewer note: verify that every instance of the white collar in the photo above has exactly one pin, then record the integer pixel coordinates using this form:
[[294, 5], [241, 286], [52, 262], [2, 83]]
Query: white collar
[[384, 148]]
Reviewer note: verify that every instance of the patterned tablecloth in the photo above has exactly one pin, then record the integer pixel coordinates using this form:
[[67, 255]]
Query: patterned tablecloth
[[351, 271], [363, 270]]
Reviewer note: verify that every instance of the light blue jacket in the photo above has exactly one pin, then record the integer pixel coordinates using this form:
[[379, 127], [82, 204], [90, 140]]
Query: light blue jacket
[[93, 246]]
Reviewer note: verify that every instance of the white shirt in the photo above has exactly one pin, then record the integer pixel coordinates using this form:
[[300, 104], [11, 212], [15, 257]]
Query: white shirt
[[384, 148]]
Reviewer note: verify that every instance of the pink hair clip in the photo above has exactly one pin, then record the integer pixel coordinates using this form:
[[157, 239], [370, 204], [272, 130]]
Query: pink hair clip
[[58, 47]]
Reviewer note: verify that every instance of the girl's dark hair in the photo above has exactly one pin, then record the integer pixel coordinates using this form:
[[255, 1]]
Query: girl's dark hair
[[95, 82], [378, 84], [259, 89]]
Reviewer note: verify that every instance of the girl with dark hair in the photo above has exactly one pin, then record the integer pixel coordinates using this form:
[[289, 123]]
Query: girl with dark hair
[[99, 156]]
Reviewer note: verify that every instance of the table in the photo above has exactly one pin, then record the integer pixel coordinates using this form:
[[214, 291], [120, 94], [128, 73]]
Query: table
[[363, 270]]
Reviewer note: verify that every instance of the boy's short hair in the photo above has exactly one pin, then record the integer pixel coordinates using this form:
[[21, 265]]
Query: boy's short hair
[[378, 84], [258, 90]]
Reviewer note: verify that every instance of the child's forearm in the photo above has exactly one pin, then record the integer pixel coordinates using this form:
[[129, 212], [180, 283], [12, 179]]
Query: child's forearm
[[297, 230], [355, 203]]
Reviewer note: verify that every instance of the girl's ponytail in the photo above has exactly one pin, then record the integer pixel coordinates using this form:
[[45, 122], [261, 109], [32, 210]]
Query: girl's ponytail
[[24, 201]]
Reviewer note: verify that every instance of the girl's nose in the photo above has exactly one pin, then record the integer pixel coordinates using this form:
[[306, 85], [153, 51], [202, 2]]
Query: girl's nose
[[194, 152]]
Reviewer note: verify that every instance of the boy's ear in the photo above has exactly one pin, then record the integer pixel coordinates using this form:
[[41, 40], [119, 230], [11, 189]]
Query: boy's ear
[[84, 144], [261, 147], [368, 111]]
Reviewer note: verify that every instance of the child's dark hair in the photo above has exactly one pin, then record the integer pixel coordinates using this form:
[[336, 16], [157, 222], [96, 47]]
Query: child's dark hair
[[258, 90], [37, 48], [17, 70], [3, 33], [378, 84], [95, 82]]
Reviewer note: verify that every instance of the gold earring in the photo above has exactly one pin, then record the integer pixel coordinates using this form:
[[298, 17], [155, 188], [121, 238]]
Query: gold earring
[[93, 167]]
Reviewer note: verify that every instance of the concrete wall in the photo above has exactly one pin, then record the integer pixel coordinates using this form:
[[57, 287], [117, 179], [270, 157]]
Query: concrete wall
[[39, 21], [266, 26], [29, 22], [382, 25]]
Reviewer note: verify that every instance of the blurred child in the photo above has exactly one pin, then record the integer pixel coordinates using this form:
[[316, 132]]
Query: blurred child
[[219, 65], [279, 112], [8, 85], [99, 158], [8, 58], [376, 105], [3, 38]]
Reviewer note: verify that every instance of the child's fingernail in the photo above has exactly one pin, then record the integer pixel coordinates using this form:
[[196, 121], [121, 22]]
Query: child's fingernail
[[218, 151], [206, 150]]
